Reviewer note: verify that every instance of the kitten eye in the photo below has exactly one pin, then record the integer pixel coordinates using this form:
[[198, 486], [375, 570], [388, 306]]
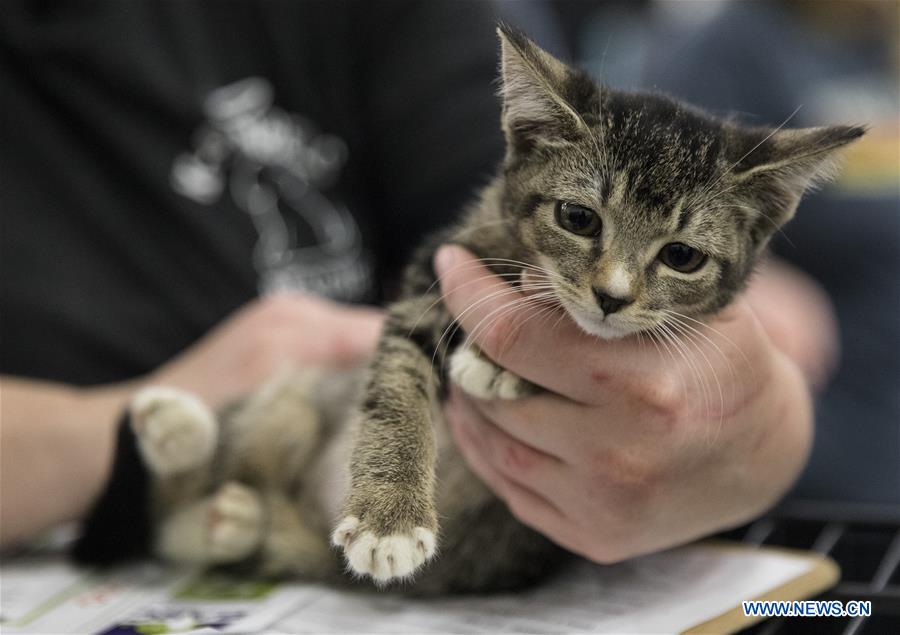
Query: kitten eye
[[578, 219], [682, 258]]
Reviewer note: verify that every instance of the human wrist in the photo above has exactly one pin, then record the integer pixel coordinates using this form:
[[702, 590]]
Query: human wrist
[[100, 409], [57, 448]]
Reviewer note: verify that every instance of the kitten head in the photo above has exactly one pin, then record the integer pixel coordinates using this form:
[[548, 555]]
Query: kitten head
[[640, 205]]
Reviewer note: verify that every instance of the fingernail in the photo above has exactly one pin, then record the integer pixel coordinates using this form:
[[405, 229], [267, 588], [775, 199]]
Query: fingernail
[[445, 258]]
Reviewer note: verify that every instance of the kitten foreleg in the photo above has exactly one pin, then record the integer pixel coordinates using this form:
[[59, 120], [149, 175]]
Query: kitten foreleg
[[389, 525]]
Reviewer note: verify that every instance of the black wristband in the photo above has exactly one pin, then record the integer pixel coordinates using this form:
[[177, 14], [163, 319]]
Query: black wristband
[[119, 526]]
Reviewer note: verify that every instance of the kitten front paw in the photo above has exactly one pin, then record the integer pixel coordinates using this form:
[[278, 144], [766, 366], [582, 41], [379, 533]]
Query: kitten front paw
[[386, 558], [234, 523], [480, 377], [175, 431]]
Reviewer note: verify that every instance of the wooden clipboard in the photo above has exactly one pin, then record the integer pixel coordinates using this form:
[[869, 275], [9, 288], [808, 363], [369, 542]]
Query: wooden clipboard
[[823, 574]]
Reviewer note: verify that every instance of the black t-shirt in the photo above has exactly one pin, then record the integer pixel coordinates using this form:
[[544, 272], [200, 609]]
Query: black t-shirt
[[163, 163]]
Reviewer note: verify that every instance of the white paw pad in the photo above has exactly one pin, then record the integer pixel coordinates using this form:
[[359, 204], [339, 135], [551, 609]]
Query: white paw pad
[[384, 558], [235, 523], [483, 379], [175, 430]]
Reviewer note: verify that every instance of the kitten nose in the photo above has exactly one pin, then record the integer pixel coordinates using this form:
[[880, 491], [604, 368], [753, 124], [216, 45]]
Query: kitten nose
[[608, 303]]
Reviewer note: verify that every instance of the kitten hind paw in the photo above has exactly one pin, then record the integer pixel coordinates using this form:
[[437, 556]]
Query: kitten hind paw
[[384, 558], [175, 431], [234, 523]]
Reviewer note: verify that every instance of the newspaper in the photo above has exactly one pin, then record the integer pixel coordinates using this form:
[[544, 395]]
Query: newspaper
[[49, 595], [662, 593]]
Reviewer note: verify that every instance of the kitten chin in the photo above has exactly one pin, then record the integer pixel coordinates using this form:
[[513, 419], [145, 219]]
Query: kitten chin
[[606, 330]]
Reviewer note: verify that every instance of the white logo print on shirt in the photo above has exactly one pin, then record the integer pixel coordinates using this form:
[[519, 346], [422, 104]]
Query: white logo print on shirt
[[276, 165]]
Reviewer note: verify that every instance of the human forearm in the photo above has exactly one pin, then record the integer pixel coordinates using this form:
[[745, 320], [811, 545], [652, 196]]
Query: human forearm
[[56, 447]]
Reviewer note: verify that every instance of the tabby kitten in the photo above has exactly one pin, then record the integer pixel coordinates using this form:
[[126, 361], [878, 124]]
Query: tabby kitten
[[634, 204]]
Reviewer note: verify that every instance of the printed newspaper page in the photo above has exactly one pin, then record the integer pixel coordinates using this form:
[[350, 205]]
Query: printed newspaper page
[[663, 593]]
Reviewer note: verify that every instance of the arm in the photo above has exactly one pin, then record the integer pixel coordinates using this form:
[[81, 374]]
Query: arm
[[632, 448], [57, 441]]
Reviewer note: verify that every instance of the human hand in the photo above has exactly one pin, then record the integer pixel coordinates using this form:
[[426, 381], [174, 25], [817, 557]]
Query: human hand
[[266, 335], [634, 447]]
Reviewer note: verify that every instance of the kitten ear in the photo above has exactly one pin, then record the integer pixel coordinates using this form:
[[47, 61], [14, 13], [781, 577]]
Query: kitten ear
[[805, 155], [777, 167], [532, 86]]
